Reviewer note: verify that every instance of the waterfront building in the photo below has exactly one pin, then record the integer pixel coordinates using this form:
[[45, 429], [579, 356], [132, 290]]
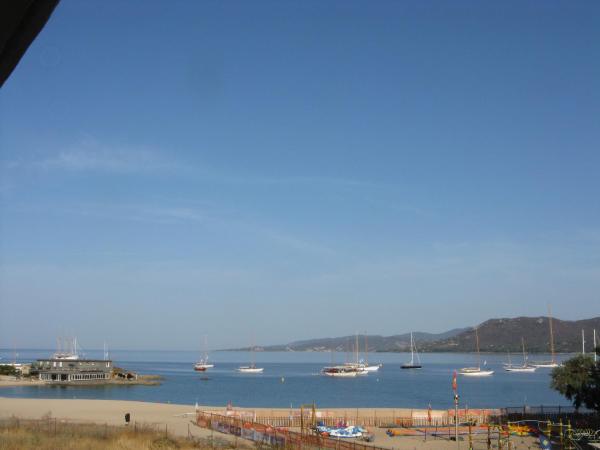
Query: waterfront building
[[60, 370]]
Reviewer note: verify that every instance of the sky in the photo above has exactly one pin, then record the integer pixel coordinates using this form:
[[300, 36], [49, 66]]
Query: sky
[[262, 172]]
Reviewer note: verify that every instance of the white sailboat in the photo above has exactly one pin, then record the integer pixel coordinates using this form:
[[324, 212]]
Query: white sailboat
[[203, 364], [66, 351], [252, 367], [413, 351], [372, 367], [358, 365], [476, 371], [552, 363], [344, 371], [525, 368], [347, 370]]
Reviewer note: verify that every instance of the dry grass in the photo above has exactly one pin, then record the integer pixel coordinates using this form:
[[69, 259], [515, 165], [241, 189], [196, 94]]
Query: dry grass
[[51, 434]]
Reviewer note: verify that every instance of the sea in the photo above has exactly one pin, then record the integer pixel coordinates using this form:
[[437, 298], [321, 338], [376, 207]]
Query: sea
[[292, 378]]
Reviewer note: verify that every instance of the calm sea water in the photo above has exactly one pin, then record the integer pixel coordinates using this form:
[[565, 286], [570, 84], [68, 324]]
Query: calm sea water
[[291, 379]]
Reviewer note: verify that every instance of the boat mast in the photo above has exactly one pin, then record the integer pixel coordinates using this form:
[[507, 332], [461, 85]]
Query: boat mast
[[582, 342], [595, 356], [524, 357], [478, 353], [356, 348], [367, 349], [412, 350], [551, 335]]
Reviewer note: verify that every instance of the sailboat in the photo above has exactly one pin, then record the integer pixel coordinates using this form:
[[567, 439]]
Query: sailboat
[[68, 351], [252, 367], [552, 363], [344, 371], [476, 371], [413, 352], [203, 364], [358, 366], [369, 368], [525, 368]]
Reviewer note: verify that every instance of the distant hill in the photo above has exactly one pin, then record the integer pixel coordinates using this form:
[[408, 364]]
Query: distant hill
[[495, 335], [503, 335], [377, 343]]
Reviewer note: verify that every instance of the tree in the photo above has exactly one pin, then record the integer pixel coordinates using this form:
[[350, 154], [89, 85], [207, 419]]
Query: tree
[[578, 379], [7, 369]]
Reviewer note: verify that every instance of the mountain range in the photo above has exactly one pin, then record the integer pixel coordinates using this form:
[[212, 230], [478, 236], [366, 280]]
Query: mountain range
[[495, 335]]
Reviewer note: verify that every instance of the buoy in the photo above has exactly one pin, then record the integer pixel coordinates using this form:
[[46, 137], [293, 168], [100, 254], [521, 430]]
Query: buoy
[[282, 380]]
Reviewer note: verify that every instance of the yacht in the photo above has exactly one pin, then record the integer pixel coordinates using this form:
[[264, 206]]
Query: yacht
[[476, 371], [413, 351], [524, 368]]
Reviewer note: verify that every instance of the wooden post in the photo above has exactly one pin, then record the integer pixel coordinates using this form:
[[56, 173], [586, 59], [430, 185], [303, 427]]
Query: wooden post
[[470, 437], [499, 432], [560, 428]]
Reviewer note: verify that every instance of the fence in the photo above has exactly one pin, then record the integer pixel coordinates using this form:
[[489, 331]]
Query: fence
[[578, 418], [414, 418], [261, 433]]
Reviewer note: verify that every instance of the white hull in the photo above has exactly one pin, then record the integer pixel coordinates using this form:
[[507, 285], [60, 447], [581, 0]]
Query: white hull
[[250, 369], [340, 374], [545, 365], [520, 369], [359, 368], [345, 371], [372, 368], [474, 372]]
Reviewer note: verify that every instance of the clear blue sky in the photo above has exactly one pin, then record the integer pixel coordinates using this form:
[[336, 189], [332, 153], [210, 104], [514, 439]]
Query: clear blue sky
[[280, 170]]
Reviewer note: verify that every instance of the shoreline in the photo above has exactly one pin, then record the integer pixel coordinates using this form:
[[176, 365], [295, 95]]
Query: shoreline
[[261, 411], [151, 380]]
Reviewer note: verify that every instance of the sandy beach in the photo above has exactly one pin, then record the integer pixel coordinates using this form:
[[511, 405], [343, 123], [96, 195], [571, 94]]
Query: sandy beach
[[178, 419], [111, 412]]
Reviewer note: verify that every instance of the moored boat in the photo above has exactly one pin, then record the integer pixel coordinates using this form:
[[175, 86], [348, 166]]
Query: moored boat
[[344, 371], [552, 363], [524, 368], [202, 364], [413, 351], [476, 371], [250, 369], [369, 367]]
